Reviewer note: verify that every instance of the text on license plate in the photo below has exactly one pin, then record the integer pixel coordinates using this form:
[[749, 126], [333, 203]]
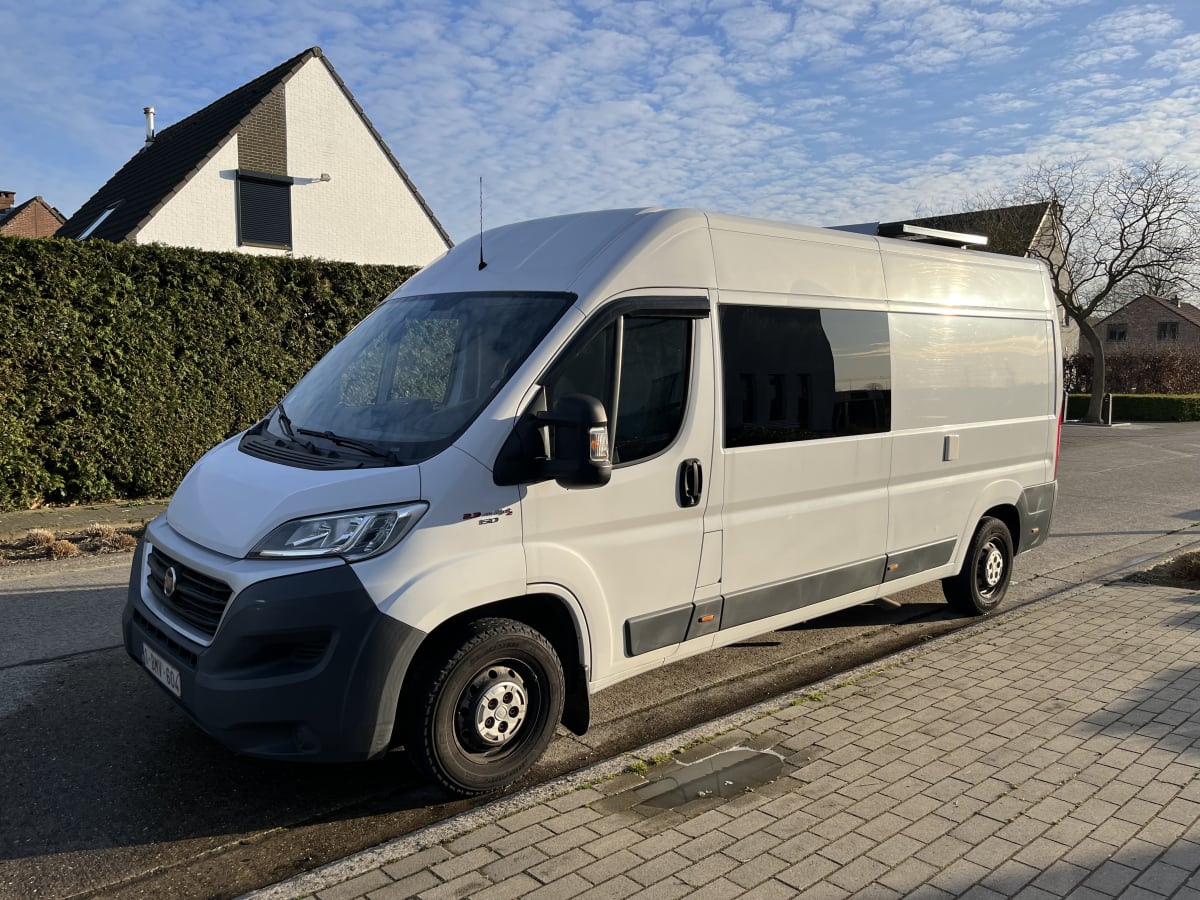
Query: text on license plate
[[161, 669]]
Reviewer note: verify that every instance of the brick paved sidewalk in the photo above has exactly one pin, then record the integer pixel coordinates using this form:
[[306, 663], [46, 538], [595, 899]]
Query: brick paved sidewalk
[[1050, 752]]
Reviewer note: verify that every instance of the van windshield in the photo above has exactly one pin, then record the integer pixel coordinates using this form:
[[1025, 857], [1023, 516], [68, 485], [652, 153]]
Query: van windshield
[[409, 379]]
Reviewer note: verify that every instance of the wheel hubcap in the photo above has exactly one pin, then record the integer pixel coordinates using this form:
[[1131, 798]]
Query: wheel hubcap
[[500, 705], [993, 567]]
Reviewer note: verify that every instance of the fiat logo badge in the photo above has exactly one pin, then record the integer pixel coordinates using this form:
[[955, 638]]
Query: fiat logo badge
[[169, 582]]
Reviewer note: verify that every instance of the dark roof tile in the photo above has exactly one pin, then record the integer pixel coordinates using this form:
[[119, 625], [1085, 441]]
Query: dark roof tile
[[1184, 310], [163, 166]]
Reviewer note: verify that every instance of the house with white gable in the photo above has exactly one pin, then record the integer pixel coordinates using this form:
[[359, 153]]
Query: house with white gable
[[288, 164]]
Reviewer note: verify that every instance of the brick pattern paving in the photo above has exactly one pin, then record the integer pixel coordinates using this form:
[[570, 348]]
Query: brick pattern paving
[[1054, 753]]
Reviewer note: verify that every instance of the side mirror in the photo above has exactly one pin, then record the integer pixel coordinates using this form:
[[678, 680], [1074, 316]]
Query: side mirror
[[579, 441]]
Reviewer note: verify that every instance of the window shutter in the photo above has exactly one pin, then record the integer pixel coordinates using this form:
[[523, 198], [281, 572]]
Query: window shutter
[[264, 212]]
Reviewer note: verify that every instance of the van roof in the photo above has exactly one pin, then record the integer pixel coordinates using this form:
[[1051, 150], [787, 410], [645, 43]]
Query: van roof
[[598, 254]]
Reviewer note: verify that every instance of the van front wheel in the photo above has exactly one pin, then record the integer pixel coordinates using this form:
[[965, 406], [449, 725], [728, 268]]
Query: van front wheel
[[489, 712], [981, 584]]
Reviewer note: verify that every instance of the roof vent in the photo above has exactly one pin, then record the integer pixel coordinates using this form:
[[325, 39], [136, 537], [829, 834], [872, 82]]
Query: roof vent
[[906, 232], [919, 233], [149, 111]]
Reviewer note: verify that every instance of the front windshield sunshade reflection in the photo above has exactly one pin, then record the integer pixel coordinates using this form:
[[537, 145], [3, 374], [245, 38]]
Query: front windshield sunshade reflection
[[406, 382]]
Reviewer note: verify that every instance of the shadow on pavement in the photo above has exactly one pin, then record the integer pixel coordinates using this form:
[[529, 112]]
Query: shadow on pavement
[[96, 756], [104, 779]]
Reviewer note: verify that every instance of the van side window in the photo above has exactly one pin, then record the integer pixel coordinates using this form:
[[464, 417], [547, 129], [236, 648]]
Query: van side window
[[589, 370], [654, 379], [803, 374], [655, 367]]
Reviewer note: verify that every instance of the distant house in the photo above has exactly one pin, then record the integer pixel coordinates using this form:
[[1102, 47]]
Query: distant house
[[1150, 323], [288, 164], [34, 218]]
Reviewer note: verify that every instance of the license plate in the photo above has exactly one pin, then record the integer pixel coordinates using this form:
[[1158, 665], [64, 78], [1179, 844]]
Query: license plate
[[161, 669]]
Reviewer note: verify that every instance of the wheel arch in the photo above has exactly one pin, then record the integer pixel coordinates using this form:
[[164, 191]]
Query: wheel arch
[[1008, 514], [998, 500], [547, 613]]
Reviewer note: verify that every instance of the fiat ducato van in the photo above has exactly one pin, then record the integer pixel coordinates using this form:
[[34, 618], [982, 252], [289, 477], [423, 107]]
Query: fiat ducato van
[[596, 444]]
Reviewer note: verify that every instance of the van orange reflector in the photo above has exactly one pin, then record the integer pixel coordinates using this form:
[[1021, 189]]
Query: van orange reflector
[[707, 618]]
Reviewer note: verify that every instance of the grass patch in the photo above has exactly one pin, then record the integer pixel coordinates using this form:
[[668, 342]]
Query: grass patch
[[1178, 571], [40, 537], [63, 550], [107, 539], [810, 697], [41, 544]]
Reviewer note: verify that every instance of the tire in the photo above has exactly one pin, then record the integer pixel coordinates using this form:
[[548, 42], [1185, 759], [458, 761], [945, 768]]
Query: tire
[[494, 665], [986, 571]]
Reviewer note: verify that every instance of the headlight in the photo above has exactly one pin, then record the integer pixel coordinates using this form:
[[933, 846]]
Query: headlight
[[351, 535]]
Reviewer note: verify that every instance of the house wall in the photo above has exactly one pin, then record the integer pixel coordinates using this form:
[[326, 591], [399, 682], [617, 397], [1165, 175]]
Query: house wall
[[1069, 332], [1140, 318], [202, 213], [34, 221], [1047, 246], [365, 213]]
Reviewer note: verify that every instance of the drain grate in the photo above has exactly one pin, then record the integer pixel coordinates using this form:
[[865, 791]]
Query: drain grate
[[724, 774]]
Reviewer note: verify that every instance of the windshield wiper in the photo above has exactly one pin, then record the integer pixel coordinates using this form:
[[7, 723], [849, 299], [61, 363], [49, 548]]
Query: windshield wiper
[[365, 446], [285, 421]]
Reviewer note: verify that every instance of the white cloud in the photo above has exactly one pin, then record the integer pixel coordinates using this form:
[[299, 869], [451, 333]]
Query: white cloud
[[818, 110], [1123, 36]]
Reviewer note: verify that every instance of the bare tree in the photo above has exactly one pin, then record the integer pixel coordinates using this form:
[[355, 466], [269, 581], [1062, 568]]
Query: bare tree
[[1120, 231]]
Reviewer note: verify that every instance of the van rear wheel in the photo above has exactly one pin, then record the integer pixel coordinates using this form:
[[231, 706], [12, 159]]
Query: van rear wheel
[[487, 715], [986, 572]]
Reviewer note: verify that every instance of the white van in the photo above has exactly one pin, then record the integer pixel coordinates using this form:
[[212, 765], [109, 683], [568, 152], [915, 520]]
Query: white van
[[587, 446]]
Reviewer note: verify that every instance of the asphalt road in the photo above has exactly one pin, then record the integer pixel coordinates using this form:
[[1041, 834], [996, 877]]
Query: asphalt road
[[107, 789]]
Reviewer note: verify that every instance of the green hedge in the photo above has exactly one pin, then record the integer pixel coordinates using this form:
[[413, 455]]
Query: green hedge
[[121, 364], [1143, 407]]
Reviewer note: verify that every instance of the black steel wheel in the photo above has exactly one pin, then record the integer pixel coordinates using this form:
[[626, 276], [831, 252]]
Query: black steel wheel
[[986, 572], [488, 713]]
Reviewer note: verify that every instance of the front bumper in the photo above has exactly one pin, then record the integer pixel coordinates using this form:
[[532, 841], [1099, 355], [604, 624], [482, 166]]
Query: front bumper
[[303, 666]]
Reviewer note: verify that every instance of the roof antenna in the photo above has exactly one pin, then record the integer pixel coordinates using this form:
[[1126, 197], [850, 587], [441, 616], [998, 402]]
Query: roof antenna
[[482, 264]]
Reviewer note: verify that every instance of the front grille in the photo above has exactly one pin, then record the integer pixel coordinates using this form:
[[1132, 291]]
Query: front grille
[[177, 649], [198, 600]]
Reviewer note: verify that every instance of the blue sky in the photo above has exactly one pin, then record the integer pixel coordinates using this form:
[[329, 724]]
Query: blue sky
[[816, 111]]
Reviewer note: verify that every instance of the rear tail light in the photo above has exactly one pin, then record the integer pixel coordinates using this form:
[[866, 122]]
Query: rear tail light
[[1062, 413]]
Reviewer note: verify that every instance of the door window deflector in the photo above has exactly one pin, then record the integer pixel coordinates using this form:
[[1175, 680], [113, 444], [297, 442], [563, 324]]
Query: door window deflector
[[593, 363]]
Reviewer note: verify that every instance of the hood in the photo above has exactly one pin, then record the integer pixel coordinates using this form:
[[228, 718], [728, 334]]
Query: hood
[[230, 501]]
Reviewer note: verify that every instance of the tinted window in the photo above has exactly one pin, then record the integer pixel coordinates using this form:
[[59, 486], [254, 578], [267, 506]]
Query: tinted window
[[802, 374], [655, 368], [654, 377], [588, 370]]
